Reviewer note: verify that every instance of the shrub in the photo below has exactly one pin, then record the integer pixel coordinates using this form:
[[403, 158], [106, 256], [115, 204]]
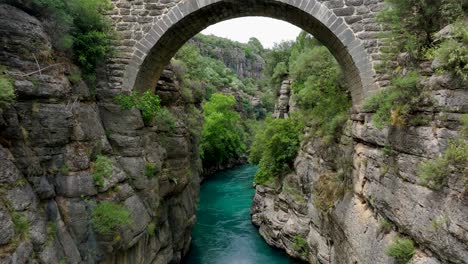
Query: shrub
[[7, 92], [101, 168], [275, 146], [434, 173], [151, 170], [80, 25], [318, 87], [413, 22], [107, 217], [385, 226], [148, 103], [300, 245], [393, 105], [452, 53], [21, 223], [464, 125], [402, 249], [151, 229], [166, 119]]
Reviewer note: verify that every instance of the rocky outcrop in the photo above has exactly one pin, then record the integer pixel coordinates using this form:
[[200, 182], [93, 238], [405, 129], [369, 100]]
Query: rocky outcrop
[[348, 201], [234, 57], [49, 141], [282, 107]]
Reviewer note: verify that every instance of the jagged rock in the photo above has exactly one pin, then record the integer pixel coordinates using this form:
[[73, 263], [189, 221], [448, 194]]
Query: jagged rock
[[6, 226], [75, 184]]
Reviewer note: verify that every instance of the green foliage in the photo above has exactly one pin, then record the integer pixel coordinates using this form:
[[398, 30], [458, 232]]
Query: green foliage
[[20, 223], [151, 170], [151, 229], [318, 87], [393, 105], [7, 91], [107, 217], [80, 25], [452, 53], [165, 118], [148, 103], [222, 136], [65, 169], [464, 125], [300, 245], [385, 226], [434, 173], [279, 54], [402, 249], [101, 168], [413, 22], [275, 146]]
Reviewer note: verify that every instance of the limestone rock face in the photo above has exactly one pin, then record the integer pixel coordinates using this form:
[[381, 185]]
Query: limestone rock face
[[235, 58], [49, 141], [380, 196]]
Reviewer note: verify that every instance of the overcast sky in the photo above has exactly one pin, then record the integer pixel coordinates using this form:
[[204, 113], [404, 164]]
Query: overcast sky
[[267, 30]]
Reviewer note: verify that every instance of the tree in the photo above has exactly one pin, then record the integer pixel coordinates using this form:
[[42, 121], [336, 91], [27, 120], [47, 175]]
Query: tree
[[222, 136]]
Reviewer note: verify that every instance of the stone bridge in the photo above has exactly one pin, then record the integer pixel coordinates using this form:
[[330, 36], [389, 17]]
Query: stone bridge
[[151, 32]]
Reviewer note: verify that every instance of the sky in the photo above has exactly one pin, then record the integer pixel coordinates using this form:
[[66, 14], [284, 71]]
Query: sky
[[267, 30]]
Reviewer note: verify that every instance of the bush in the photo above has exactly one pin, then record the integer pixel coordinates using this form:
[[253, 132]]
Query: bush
[[21, 223], [385, 226], [7, 92], [101, 168], [151, 170], [393, 105], [222, 136], [318, 87], [275, 146], [166, 119], [402, 249], [107, 217], [151, 229], [80, 25], [413, 22], [148, 103], [452, 53], [434, 173], [300, 245]]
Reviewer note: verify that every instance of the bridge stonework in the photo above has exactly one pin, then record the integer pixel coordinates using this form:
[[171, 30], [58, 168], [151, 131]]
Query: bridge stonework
[[151, 31]]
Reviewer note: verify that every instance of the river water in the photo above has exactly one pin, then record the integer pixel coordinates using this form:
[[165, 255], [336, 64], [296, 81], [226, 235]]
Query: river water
[[223, 233]]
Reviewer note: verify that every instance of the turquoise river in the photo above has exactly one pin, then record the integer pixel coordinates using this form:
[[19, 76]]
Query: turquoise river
[[224, 233]]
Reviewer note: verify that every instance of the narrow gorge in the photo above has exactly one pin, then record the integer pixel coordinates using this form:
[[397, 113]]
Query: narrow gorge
[[114, 113]]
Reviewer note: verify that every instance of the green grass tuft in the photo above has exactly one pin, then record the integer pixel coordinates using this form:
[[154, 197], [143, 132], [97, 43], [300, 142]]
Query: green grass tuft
[[107, 217]]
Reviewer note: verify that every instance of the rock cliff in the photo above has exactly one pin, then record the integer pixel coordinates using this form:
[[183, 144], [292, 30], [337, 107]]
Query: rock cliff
[[346, 202], [234, 56], [49, 141]]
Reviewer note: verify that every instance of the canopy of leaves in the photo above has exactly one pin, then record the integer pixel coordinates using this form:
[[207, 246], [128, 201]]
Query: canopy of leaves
[[318, 86], [79, 25], [274, 147], [222, 136], [413, 22]]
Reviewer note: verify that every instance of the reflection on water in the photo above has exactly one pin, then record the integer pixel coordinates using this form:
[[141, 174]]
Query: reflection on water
[[223, 233]]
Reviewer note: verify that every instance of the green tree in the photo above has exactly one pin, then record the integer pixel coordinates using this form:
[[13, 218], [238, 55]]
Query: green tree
[[79, 25], [274, 147], [413, 22], [222, 136]]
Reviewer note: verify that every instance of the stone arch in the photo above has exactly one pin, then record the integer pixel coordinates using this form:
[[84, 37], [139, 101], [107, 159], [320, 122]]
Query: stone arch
[[188, 17]]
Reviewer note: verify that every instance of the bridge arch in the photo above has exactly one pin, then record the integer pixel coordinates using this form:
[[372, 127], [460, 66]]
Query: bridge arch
[[188, 17]]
